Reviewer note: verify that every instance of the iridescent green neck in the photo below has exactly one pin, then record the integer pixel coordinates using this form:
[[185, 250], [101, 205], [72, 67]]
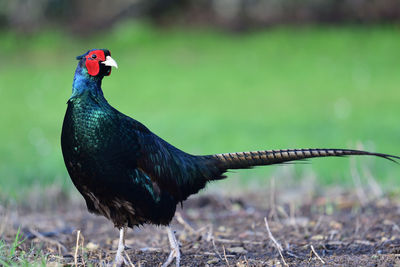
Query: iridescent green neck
[[85, 83]]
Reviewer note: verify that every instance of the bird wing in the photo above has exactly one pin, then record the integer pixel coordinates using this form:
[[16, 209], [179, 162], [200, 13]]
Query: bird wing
[[164, 164], [170, 169], [152, 156]]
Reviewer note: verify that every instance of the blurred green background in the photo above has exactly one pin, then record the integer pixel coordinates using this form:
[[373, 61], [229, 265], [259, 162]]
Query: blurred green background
[[210, 86]]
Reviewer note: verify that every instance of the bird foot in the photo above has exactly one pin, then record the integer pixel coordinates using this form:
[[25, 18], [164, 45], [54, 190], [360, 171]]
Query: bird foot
[[175, 252], [119, 259]]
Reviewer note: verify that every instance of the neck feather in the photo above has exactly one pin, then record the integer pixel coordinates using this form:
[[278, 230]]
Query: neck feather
[[85, 83]]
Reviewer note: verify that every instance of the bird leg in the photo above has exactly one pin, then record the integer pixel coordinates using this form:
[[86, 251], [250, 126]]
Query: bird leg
[[175, 253], [119, 259]]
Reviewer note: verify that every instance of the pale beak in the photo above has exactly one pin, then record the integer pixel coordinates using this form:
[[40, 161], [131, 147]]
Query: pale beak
[[110, 62]]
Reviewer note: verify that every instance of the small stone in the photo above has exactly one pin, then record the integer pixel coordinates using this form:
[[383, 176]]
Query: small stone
[[213, 260], [237, 250], [92, 246], [317, 237], [335, 225], [222, 228], [242, 264]]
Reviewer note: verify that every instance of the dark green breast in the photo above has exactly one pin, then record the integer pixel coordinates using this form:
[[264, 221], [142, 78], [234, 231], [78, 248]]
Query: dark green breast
[[101, 158]]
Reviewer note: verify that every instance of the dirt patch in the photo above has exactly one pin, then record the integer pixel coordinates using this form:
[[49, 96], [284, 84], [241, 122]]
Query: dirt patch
[[223, 231]]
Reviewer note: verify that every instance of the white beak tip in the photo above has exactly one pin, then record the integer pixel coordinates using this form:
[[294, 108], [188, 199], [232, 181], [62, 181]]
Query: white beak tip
[[110, 62]]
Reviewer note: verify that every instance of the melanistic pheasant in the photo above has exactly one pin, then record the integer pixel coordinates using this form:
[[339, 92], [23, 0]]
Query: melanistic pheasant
[[130, 175]]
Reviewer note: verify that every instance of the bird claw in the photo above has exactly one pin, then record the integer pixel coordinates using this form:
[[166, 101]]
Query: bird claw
[[119, 261], [175, 252]]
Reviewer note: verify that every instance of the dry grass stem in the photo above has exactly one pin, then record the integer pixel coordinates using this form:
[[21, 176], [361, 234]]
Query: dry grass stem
[[216, 250], [209, 233], [358, 225], [273, 213], [48, 240], [373, 184], [186, 225], [129, 259], [247, 262], [395, 226], [292, 212], [226, 259], [229, 241], [277, 245], [318, 223], [316, 254], [4, 222], [82, 249], [357, 182], [76, 248]]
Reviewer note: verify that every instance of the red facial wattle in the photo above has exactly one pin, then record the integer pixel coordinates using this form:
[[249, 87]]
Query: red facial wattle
[[93, 60]]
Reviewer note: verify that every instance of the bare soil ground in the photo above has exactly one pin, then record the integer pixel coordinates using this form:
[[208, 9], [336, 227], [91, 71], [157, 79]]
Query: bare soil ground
[[214, 230]]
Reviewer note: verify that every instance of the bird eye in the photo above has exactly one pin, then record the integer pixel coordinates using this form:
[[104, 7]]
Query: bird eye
[[94, 56]]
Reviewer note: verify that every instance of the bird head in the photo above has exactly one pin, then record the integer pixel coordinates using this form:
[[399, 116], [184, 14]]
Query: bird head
[[98, 62]]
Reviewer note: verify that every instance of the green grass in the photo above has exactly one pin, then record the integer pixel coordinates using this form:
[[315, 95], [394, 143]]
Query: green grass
[[14, 255], [210, 92]]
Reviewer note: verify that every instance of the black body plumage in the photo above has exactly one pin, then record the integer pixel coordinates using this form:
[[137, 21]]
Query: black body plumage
[[131, 176], [111, 159]]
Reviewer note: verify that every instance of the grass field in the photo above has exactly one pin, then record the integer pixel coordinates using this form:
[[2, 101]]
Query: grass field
[[210, 92]]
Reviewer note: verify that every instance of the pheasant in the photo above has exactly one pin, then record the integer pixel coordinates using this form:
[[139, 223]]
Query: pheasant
[[130, 175]]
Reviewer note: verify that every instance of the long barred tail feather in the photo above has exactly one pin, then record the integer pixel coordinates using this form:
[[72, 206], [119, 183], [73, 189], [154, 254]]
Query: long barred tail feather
[[242, 160]]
